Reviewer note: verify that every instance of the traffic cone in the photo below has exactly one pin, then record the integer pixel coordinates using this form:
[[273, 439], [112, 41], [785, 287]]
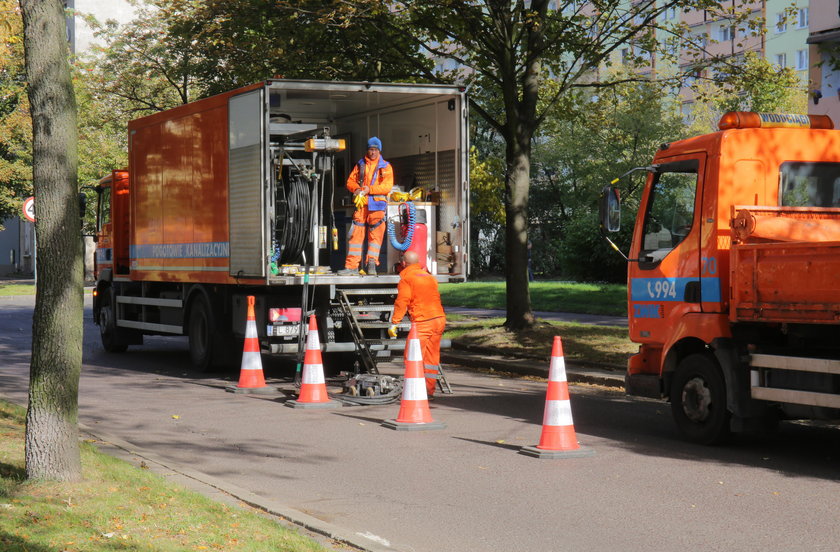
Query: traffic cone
[[251, 379], [558, 439], [313, 388], [414, 412]]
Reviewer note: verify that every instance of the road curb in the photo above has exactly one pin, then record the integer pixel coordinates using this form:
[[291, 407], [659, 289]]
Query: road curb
[[575, 373]]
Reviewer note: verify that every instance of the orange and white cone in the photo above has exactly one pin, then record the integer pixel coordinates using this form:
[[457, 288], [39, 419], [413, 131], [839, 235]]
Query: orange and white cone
[[251, 379], [313, 387], [414, 412], [558, 439]]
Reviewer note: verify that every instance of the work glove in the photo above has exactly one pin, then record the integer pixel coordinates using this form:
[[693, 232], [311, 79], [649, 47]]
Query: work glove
[[392, 331], [359, 199]]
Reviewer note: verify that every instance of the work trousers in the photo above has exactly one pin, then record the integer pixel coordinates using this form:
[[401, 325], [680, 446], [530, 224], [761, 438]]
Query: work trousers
[[367, 222], [429, 333]]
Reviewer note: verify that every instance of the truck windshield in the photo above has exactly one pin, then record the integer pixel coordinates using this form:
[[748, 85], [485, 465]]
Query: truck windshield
[[670, 209], [809, 184]]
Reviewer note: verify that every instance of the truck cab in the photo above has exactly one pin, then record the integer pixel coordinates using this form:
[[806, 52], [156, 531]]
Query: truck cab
[[687, 272]]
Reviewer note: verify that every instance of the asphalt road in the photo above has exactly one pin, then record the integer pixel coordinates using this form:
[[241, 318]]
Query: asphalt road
[[463, 488]]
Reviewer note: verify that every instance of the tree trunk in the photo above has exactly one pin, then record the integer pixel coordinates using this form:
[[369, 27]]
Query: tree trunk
[[52, 441], [517, 183]]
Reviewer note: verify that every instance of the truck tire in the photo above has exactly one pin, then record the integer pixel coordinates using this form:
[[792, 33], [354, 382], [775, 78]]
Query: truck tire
[[698, 400], [108, 330], [201, 327]]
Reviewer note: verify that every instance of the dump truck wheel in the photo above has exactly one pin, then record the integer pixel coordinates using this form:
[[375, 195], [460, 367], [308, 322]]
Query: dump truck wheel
[[698, 400], [201, 328], [108, 330]]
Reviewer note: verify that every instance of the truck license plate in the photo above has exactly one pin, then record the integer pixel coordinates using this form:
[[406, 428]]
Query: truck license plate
[[283, 330]]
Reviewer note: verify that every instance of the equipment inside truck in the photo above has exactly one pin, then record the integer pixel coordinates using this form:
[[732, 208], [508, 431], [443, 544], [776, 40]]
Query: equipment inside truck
[[311, 141]]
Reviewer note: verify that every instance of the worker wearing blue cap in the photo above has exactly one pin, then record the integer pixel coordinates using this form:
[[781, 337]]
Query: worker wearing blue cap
[[370, 182]]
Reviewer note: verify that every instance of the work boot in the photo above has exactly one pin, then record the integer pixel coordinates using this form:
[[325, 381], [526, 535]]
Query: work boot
[[371, 268], [348, 272]]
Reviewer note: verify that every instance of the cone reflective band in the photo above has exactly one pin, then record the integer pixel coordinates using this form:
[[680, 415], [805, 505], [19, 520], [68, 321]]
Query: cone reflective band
[[558, 438], [251, 379], [414, 407], [313, 367], [313, 388], [414, 389]]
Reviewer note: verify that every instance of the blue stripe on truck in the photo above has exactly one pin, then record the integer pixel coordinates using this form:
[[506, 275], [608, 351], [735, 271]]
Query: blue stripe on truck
[[205, 250], [672, 289]]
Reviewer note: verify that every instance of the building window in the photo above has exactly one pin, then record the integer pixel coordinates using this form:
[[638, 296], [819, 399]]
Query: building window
[[725, 33], [625, 55], [801, 60], [781, 23], [781, 60], [802, 18]]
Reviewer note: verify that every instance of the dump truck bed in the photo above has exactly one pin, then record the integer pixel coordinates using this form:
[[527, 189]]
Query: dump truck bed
[[785, 265]]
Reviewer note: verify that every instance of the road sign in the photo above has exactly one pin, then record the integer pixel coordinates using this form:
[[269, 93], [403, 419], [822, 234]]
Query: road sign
[[29, 209]]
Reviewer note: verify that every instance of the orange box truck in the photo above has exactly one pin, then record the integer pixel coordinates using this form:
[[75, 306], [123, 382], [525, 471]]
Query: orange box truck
[[734, 275], [243, 194]]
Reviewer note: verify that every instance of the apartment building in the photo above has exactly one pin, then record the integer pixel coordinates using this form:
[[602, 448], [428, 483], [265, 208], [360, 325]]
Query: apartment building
[[785, 42], [824, 54], [80, 34]]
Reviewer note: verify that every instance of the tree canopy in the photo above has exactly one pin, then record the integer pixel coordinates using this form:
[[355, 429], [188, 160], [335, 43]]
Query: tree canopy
[[15, 125]]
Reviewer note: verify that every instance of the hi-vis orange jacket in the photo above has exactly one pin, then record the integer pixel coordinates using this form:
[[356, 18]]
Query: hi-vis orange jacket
[[378, 176], [418, 294]]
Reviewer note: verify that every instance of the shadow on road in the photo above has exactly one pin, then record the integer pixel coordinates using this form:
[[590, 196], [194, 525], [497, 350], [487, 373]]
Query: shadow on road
[[645, 427]]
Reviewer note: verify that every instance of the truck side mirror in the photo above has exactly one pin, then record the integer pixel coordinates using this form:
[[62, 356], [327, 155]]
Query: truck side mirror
[[609, 205]]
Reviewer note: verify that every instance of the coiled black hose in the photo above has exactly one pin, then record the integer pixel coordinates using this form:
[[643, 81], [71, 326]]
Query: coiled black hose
[[292, 232]]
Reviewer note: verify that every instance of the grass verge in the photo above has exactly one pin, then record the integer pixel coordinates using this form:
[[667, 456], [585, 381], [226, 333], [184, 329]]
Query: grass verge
[[16, 289], [586, 298], [119, 507], [583, 343]]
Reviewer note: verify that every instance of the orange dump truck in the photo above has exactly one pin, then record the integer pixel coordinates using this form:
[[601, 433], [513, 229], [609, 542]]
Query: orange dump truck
[[243, 194], [734, 275]]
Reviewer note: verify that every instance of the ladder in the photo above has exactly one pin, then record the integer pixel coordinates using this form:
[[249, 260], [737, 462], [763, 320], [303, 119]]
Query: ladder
[[374, 314], [442, 382], [359, 339]]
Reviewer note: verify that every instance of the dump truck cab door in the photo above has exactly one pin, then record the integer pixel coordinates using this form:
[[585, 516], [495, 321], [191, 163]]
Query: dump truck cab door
[[664, 279]]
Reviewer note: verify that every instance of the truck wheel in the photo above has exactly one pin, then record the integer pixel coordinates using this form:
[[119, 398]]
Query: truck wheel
[[201, 327], [698, 400], [108, 330]]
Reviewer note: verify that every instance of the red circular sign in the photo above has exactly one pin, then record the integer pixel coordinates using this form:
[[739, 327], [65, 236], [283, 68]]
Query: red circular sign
[[29, 209]]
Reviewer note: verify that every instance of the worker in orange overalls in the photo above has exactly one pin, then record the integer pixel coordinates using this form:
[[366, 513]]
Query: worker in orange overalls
[[418, 294], [370, 182]]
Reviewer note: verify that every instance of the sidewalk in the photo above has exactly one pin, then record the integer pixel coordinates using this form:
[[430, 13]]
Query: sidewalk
[[486, 358], [596, 319]]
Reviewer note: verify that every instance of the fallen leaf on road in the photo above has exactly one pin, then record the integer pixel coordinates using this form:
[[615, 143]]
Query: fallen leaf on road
[[176, 417]]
